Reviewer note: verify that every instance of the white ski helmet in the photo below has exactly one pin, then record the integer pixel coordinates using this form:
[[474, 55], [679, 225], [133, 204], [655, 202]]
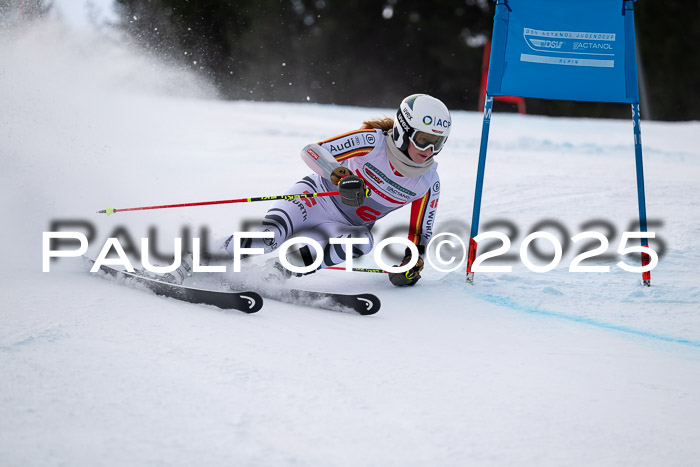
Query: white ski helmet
[[423, 120]]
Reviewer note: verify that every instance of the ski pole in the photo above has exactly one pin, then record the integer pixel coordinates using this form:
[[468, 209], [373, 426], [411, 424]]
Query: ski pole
[[340, 268], [110, 211]]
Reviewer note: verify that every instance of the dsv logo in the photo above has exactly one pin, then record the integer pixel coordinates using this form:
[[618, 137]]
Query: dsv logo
[[428, 120]]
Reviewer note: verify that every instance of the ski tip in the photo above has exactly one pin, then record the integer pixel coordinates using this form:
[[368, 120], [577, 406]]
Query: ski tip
[[367, 304], [254, 299]]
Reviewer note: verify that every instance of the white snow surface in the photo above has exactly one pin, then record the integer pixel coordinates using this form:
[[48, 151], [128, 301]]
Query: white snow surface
[[521, 368]]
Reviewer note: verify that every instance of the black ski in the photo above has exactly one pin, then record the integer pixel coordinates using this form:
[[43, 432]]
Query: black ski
[[247, 302], [363, 304]]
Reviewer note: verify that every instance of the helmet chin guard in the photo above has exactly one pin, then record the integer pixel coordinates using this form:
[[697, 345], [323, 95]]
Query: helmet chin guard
[[423, 120]]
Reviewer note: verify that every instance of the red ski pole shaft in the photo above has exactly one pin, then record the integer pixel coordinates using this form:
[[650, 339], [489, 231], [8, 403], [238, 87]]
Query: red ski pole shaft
[[110, 211]]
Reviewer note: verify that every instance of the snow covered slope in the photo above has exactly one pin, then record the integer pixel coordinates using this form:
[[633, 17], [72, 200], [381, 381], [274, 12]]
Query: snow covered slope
[[521, 368]]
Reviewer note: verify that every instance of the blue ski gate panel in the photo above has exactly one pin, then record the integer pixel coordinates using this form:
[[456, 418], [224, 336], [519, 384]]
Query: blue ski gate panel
[[580, 50]]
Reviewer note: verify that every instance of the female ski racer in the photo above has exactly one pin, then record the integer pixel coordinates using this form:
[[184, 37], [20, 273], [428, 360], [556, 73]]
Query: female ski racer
[[392, 161]]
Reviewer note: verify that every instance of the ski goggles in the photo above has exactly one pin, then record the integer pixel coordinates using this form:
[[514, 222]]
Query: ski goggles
[[423, 141]]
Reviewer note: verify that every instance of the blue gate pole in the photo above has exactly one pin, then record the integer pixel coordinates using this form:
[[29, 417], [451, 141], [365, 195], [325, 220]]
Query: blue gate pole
[[646, 276], [488, 106]]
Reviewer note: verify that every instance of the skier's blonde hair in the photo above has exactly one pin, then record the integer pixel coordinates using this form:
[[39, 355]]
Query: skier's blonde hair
[[380, 123]]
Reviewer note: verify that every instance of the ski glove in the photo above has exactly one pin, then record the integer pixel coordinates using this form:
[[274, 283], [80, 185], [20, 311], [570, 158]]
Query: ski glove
[[409, 277], [338, 174]]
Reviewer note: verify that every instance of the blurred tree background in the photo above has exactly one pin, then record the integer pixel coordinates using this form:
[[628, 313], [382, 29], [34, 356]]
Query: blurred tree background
[[375, 52]]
